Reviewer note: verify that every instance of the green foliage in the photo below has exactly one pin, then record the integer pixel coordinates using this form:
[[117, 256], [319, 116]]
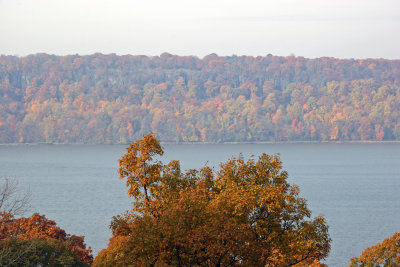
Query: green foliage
[[36, 252], [244, 214], [35, 234], [117, 99]]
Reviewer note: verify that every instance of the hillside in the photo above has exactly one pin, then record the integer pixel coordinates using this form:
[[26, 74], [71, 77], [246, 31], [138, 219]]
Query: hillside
[[116, 99]]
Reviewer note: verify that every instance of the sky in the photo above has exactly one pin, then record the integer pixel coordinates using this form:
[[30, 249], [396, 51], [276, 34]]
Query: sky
[[309, 28]]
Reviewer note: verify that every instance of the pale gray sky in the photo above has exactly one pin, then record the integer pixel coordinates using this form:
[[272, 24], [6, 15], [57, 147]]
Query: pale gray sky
[[310, 28]]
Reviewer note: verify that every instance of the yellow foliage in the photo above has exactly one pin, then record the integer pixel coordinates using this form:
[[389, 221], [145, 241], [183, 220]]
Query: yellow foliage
[[246, 213], [386, 253]]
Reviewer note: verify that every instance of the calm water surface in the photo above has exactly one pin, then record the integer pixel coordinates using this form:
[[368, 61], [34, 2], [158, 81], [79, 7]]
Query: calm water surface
[[356, 186]]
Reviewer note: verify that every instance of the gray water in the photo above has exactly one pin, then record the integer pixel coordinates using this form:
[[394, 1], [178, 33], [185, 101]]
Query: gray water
[[356, 186]]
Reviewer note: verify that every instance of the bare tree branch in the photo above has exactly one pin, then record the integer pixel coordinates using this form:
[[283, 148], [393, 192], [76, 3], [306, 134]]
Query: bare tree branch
[[12, 199]]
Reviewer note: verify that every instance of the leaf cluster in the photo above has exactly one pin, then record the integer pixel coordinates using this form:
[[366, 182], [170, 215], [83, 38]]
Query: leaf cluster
[[38, 252], [39, 232], [385, 254]]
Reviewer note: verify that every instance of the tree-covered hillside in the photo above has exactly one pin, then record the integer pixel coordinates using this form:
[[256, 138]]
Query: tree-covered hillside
[[116, 99]]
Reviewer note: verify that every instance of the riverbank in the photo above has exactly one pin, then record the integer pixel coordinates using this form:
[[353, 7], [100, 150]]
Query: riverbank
[[219, 143]]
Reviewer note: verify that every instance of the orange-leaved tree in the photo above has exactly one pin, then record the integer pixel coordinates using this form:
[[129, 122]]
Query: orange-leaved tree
[[386, 253], [39, 229], [246, 213]]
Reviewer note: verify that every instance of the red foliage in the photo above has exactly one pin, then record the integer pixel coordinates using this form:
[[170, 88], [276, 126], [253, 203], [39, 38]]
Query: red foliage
[[39, 227]]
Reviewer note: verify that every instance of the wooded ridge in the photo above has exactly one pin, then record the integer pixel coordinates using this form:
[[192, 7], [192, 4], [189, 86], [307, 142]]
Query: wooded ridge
[[116, 99]]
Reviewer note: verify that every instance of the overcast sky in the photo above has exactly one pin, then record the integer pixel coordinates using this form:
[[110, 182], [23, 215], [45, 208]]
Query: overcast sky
[[309, 28]]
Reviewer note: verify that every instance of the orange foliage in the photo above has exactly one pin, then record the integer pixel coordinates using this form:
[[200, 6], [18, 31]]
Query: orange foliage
[[39, 227], [386, 253], [47, 98], [245, 213]]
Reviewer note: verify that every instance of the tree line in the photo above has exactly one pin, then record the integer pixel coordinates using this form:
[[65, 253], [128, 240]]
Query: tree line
[[116, 99]]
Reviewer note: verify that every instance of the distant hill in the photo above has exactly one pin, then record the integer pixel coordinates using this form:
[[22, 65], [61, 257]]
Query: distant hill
[[116, 99]]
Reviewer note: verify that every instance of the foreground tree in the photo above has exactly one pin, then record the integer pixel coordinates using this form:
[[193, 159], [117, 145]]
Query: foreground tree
[[244, 214], [386, 253], [22, 240]]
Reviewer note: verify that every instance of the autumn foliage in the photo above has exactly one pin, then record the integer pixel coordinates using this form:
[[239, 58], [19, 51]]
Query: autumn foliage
[[39, 228], [386, 253], [38, 252], [246, 213], [116, 99]]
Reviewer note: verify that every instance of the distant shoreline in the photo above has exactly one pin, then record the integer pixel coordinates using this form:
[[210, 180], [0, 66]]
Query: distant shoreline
[[213, 143]]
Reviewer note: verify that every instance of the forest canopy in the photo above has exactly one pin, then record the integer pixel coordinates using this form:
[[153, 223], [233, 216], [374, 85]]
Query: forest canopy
[[116, 99]]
